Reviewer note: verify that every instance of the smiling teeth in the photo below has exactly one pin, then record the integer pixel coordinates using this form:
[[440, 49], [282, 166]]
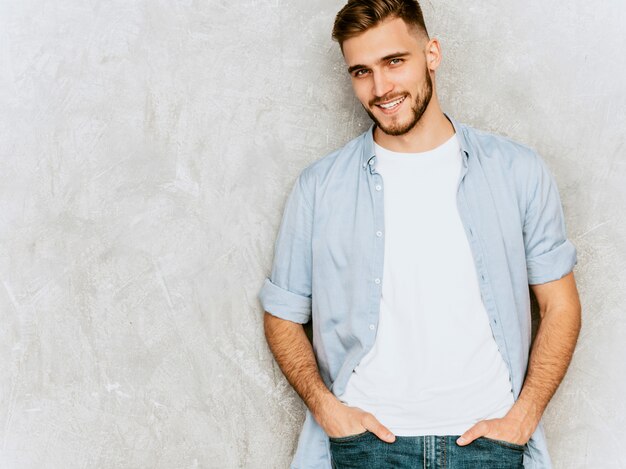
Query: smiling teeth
[[392, 104]]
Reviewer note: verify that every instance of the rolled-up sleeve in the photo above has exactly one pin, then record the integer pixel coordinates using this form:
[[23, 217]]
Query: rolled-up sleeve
[[549, 254], [287, 292]]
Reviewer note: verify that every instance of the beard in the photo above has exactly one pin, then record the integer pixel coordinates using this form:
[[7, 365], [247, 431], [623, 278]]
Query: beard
[[419, 107]]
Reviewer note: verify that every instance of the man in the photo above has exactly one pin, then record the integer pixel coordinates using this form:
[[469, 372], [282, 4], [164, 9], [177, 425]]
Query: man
[[419, 300]]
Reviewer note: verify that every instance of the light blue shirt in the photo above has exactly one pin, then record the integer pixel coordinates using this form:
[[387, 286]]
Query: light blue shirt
[[328, 258]]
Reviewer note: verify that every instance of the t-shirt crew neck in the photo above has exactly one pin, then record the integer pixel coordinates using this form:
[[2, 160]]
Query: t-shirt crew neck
[[444, 147]]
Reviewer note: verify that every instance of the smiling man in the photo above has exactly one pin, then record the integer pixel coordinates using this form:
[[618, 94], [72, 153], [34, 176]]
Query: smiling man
[[412, 249]]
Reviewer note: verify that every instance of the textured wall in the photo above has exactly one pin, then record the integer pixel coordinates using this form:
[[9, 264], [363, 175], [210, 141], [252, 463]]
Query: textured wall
[[146, 150]]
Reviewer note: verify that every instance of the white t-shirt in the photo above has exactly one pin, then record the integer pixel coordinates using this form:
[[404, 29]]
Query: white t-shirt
[[435, 368]]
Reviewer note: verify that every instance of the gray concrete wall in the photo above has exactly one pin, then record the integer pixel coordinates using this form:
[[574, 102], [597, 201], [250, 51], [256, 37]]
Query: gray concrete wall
[[146, 150]]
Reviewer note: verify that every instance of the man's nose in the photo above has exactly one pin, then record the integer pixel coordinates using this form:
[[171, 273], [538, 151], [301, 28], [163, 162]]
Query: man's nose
[[382, 85]]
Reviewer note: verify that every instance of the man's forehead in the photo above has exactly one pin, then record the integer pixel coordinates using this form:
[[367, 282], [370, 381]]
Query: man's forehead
[[380, 41]]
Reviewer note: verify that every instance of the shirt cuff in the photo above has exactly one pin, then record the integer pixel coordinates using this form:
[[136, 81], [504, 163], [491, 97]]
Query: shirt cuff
[[285, 304], [552, 265]]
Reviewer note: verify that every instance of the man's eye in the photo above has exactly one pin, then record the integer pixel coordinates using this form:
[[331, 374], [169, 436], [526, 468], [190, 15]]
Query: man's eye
[[359, 73], [395, 61]]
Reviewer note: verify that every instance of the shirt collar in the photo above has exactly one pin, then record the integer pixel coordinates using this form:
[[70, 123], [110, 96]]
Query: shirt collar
[[368, 156]]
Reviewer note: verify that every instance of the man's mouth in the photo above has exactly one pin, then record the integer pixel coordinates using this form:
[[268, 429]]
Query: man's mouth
[[391, 105]]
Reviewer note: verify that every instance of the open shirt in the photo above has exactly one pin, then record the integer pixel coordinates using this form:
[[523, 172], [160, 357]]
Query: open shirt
[[328, 258]]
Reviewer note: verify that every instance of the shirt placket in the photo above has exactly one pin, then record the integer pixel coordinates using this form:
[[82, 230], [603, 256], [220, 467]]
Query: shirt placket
[[479, 262], [376, 189]]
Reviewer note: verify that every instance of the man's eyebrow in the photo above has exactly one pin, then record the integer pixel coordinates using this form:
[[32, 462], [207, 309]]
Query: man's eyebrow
[[383, 59]]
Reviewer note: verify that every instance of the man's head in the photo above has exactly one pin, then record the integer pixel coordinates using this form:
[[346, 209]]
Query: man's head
[[390, 59]]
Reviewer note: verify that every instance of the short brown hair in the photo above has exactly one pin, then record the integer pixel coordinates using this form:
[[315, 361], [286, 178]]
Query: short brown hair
[[357, 16]]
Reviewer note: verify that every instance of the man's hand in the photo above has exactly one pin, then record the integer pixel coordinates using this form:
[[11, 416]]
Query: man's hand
[[506, 428], [338, 420]]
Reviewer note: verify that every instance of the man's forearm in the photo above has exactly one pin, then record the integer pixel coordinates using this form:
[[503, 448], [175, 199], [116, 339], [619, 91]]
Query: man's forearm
[[293, 353], [550, 356]]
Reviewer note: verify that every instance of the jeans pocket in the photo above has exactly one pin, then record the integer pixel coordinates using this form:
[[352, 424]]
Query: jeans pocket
[[506, 444], [346, 439]]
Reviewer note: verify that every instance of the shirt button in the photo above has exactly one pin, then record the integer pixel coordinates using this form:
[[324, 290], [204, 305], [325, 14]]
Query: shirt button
[[372, 327], [377, 280], [378, 187], [379, 233]]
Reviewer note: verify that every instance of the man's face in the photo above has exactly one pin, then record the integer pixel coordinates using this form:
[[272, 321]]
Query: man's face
[[389, 75]]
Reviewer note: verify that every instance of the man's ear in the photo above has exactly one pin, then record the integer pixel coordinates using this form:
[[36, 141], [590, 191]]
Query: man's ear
[[433, 54]]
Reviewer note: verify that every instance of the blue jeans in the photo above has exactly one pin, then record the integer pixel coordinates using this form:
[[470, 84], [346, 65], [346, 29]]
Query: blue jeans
[[367, 451]]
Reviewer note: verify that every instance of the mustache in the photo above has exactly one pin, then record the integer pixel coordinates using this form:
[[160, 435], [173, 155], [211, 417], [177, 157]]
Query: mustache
[[386, 99]]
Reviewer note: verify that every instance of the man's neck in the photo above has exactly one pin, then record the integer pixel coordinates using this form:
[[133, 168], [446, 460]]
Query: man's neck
[[431, 130]]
